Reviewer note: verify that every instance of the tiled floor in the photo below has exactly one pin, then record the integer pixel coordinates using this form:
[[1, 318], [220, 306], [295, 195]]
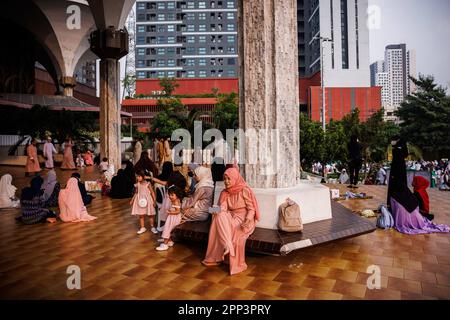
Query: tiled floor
[[117, 264]]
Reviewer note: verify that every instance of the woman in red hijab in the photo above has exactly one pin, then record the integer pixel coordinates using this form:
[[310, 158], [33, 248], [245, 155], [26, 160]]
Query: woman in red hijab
[[420, 185], [235, 222]]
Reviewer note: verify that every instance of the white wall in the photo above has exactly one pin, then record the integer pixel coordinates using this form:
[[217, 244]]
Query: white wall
[[351, 77]]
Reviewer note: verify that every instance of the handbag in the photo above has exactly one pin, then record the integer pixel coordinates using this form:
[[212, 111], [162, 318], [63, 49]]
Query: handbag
[[142, 203], [289, 219], [385, 219]]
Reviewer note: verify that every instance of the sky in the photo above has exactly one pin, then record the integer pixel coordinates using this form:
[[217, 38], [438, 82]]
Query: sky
[[421, 25]]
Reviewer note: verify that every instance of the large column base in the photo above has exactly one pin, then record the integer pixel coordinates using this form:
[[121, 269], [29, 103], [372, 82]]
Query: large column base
[[313, 198]]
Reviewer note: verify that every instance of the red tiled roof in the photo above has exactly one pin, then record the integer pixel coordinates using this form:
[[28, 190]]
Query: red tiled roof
[[153, 102]]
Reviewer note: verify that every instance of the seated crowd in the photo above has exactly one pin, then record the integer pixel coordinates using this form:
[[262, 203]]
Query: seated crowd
[[174, 194]]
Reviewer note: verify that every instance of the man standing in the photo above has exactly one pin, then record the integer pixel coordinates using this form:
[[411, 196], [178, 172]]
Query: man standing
[[137, 150], [32, 165], [355, 163], [49, 150]]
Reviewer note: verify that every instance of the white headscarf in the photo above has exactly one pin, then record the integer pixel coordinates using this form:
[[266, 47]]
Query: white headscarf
[[205, 177], [6, 188], [7, 191], [49, 184]]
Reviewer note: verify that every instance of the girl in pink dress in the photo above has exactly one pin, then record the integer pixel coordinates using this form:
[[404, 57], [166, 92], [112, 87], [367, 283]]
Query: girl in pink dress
[[71, 204], [231, 227], [143, 203], [68, 162], [173, 218], [32, 165]]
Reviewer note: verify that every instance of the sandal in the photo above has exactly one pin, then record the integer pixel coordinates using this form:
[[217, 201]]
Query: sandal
[[210, 264]]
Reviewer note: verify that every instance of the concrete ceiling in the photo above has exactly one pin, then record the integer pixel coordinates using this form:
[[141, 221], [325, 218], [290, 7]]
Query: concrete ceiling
[[47, 21]]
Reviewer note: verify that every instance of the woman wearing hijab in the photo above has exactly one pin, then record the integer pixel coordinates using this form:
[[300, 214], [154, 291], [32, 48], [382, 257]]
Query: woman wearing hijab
[[88, 160], [32, 165], [231, 227], [196, 208], [51, 189], [87, 198], [137, 152], [404, 205], [146, 164], [167, 150], [343, 178], [71, 204], [420, 185], [121, 186], [32, 204], [8, 193], [397, 178], [68, 163]]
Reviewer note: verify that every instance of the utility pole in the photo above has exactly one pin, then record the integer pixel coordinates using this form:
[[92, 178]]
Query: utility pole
[[322, 84]]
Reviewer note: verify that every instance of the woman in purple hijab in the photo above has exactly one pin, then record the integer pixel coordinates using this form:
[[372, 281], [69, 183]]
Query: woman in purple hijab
[[403, 203]]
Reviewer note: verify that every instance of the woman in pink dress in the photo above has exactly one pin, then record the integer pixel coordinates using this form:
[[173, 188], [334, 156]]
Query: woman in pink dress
[[71, 204], [231, 227], [32, 165], [68, 163]]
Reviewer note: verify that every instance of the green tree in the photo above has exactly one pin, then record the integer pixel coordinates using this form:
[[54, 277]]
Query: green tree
[[226, 113], [335, 143], [169, 85], [351, 123], [376, 135], [168, 119], [425, 118], [311, 141]]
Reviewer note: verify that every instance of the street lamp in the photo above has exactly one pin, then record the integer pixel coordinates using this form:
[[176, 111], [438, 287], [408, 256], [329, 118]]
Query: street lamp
[[322, 40]]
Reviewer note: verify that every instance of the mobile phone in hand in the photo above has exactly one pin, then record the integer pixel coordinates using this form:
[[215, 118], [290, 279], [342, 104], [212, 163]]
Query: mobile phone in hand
[[214, 210]]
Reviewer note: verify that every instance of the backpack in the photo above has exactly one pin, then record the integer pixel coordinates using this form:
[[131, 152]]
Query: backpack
[[289, 219], [385, 219]]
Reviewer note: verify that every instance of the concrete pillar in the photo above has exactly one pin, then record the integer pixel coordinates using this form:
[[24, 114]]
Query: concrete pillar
[[269, 104], [110, 112], [110, 45], [268, 88], [68, 83]]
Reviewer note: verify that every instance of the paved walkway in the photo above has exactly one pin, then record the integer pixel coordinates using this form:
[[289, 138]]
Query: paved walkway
[[117, 264]]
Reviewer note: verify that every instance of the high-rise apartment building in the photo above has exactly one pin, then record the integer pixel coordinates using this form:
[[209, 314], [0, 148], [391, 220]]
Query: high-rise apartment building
[[346, 53], [186, 39], [375, 68], [399, 64], [191, 40]]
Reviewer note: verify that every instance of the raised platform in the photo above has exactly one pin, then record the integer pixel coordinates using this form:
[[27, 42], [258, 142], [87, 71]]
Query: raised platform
[[344, 224]]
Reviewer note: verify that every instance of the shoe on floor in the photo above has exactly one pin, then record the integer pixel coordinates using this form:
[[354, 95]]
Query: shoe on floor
[[170, 243], [154, 230], [162, 247], [160, 229], [141, 231]]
